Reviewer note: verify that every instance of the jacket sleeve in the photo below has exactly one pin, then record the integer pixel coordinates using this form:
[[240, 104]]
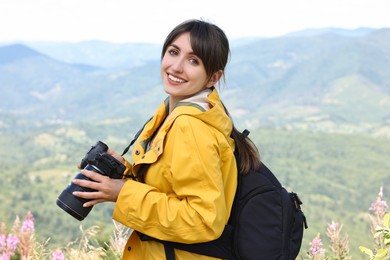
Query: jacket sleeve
[[195, 210]]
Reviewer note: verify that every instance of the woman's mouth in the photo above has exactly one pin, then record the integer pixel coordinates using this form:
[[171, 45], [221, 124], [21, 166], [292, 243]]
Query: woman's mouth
[[175, 79]]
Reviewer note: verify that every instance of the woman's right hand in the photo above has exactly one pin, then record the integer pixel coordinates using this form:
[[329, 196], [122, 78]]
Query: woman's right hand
[[116, 155]]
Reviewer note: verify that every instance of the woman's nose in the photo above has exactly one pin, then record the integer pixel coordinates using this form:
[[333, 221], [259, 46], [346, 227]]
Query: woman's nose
[[177, 65]]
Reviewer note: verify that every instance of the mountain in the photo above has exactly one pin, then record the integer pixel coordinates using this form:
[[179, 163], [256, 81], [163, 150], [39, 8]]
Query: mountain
[[317, 106], [100, 53], [328, 81], [42, 88], [362, 31], [32, 83], [13, 53]]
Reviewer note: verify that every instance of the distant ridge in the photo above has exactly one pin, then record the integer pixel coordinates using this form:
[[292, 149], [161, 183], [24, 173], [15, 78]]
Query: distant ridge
[[15, 52], [328, 82], [100, 53], [362, 31]]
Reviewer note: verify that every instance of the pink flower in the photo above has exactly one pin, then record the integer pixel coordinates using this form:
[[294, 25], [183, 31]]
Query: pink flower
[[28, 223], [12, 242], [5, 256], [2, 243], [379, 207], [8, 246], [315, 248], [333, 226], [58, 255]]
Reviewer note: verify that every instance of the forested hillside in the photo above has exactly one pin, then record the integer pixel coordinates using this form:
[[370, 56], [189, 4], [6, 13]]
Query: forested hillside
[[317, 106], [328, 82], [337, 176]]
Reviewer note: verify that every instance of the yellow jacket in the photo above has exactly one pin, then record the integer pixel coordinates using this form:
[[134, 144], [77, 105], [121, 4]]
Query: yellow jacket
[[189, 187]]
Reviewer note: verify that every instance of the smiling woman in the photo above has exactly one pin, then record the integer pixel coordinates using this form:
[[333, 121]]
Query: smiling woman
[[182, 71], [185, 154]]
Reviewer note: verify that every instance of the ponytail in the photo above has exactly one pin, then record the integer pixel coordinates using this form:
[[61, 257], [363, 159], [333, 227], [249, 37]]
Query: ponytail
[[248, 154]]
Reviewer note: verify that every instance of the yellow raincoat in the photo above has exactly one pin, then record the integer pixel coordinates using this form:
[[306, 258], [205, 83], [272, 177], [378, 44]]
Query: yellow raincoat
[[190, 184]]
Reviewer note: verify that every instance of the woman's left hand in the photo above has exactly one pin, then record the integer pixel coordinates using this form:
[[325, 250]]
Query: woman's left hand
[[107, 189]]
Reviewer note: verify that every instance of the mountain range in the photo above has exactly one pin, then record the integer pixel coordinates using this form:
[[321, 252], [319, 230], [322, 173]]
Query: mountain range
[[317, 103], [330, 80]]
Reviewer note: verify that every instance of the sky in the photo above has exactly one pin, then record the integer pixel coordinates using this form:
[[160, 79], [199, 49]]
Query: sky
[[124, 21]]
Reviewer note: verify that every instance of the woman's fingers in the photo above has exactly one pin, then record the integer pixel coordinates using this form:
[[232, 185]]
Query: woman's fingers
[[116, 155], [105, 189], [97, 177]]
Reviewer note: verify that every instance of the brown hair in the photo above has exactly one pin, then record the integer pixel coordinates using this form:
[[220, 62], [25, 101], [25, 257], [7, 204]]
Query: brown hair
[[248, 154], [211, 45]]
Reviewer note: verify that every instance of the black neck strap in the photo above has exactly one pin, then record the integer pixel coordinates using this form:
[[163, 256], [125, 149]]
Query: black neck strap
[[135, 138]]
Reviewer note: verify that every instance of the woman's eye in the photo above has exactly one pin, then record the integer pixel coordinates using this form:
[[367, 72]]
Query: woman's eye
[[172, 52], [194, 61]]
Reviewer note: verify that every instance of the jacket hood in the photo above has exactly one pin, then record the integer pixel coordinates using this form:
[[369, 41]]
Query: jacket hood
[[206, 106]]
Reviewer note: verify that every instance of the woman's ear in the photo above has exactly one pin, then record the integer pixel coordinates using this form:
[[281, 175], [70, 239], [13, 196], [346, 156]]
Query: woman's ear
[[214, 78]]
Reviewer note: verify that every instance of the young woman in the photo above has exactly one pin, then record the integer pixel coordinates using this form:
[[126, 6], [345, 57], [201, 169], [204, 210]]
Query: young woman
[[187, 191]]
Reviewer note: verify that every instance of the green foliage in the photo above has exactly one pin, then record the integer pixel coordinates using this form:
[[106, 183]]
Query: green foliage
[[326, 82], [328, 171], [317, 107], [383, 234]]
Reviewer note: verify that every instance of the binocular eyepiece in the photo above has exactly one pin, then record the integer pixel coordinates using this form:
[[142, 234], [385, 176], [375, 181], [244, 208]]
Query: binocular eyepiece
[[98, 160]]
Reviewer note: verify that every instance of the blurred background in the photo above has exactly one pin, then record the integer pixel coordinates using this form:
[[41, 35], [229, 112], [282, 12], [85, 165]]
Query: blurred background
[[309, 79]]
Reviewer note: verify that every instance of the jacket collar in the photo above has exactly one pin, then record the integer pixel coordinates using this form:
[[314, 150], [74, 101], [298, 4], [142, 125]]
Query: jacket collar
[[162, 121]]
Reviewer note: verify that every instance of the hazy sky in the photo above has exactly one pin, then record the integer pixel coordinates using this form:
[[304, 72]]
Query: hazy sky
[[151, 21]]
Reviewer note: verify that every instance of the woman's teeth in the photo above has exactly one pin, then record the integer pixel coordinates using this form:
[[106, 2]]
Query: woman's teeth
[[175, 79]]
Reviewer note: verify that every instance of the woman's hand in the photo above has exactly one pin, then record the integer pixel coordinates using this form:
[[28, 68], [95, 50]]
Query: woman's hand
[[115, 155], [107, 189]]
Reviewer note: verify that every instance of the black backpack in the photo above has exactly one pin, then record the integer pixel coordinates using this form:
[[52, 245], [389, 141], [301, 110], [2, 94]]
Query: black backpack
[[266, 222]]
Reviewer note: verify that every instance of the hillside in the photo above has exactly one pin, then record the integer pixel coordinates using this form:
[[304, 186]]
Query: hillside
[[330, 82], [336, 176], [327, 82], [317, 104]]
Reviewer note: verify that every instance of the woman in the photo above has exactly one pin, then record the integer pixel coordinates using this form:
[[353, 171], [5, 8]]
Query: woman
[[187, 192]]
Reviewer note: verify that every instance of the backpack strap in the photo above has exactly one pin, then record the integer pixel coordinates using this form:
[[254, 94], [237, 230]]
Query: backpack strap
[[169, 252], [245, 133], [219, 248]]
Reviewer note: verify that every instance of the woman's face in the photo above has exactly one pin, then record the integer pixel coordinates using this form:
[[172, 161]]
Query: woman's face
[[182, 72]]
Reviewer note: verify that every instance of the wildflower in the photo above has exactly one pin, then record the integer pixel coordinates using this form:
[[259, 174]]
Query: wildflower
[[4, 256], [379, 207], [26, 236], [28, 223], [8, 246], [16, 227], [316, 246], [339, 245], [58, 255], [12, 242], [2, 242]]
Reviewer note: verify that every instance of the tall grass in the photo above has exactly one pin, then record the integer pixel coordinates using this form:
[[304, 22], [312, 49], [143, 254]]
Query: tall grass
[[19, 242]]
